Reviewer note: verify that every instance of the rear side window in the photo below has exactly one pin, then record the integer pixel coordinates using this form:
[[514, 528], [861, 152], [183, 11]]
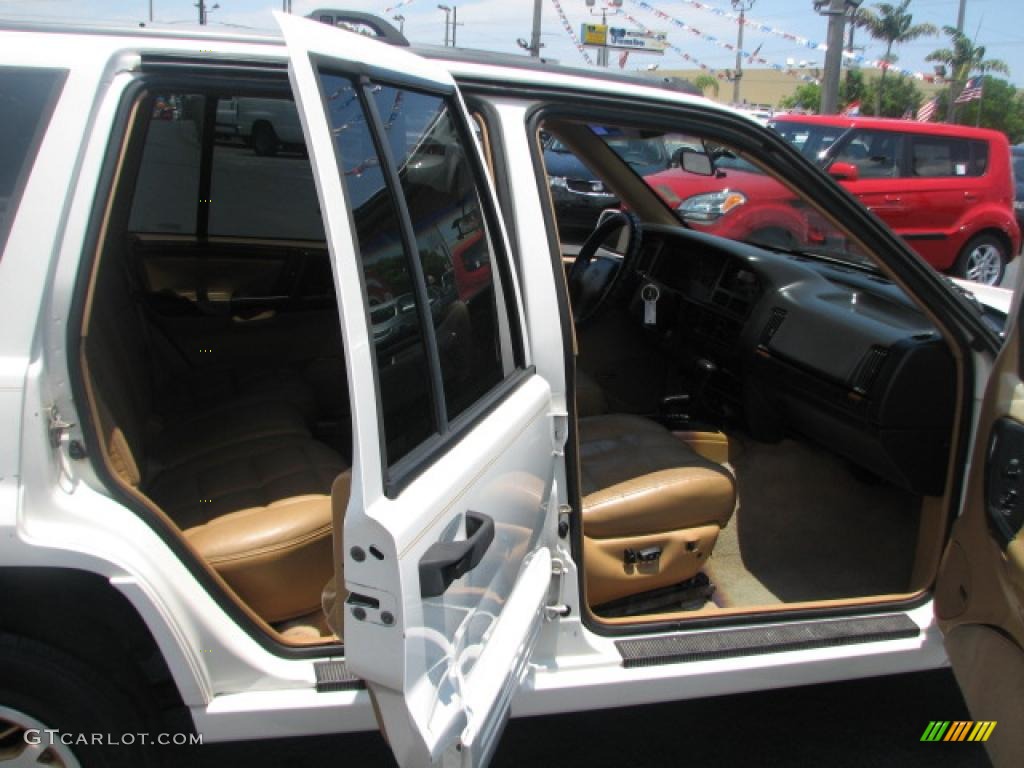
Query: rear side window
[[260, 183], [27, 99], [437, 302], [946, 156]]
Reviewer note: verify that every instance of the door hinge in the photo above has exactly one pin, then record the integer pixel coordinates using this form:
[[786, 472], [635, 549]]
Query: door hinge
[[555, 609], [559, 432], [58, 427]]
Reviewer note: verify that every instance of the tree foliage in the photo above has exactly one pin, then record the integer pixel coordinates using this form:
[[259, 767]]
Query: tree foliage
[[705, 81], [962, 60], [892, 97], [893, 25], [1001, 105]]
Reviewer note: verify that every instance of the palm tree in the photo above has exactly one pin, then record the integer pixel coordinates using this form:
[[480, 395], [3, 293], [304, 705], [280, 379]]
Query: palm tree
[[706, 81], [963, 59], [893, 25]]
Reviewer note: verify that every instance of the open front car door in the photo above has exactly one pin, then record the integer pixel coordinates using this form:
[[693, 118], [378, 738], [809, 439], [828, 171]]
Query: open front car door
[[979, 598], [449, 514]]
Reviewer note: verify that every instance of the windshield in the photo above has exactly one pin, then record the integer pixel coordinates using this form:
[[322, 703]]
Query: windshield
[[711, 187]]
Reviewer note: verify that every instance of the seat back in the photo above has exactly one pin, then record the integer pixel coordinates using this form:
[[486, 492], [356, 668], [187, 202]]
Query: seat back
[[119, 374]]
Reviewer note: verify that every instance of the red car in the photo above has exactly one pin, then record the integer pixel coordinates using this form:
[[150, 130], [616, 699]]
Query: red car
[[948, 190], [740, 202]]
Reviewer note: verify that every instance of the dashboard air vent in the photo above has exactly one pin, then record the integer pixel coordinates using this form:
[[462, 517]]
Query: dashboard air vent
[[773, 325], [867, 371]]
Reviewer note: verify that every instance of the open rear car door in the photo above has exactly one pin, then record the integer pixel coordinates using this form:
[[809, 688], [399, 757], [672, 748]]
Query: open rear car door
[[449, 516], [979, 598]]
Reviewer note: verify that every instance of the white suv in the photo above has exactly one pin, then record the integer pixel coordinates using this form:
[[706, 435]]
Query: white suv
[[325, 439]]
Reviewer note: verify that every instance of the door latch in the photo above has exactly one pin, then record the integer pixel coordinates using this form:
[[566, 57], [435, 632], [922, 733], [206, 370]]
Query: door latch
[[57, 427], [559, 432]]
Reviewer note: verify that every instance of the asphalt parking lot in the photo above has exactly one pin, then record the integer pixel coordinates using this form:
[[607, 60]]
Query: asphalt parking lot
[[864, 723]]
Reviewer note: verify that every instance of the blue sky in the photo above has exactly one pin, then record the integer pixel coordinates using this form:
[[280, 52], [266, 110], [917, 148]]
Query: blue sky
[[495, 25]]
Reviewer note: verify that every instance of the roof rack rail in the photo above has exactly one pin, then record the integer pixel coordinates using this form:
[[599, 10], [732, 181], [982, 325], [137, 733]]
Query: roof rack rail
[[383, 30]]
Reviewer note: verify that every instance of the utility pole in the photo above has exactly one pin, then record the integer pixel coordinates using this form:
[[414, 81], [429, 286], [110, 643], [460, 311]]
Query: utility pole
[[849, 47], [960, 16], [401, 22], [204, 13], [742, 6], [535, 33], [455, 22], [835, 10], [447, 16]]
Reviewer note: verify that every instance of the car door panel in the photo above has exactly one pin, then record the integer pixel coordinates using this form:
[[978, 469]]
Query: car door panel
[[441, 668], [979, 598]]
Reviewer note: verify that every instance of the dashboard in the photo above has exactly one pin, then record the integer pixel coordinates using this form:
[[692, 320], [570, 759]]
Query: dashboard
[[799, 344]]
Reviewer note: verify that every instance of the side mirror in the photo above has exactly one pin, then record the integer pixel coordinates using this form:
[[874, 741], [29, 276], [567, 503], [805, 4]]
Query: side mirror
[[695, 162], [844, 171]]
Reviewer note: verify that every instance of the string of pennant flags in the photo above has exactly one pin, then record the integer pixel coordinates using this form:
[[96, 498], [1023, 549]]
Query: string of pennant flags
[[752, 57], [800, 40], [752, 24], [397, 6], [571, 32], [674, 48]]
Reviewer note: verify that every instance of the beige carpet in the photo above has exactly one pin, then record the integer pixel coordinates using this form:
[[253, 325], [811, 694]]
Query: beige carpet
[[808, 529]]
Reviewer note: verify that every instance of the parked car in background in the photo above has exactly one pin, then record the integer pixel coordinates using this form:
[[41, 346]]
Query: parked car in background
[[946, 189], [1018, 178], [734, 198], [579, 194], [266, 125]]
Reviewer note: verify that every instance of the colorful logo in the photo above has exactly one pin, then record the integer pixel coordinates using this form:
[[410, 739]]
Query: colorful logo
[[958, 730]]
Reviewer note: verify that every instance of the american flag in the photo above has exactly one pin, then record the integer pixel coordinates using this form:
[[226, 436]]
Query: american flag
[[924, 114], [971, 91]]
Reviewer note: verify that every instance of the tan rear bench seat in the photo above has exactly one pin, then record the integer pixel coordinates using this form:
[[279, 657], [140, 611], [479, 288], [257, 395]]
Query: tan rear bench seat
[[244, 480]]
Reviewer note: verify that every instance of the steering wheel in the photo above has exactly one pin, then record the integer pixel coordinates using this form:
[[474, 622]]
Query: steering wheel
[[592, 281]]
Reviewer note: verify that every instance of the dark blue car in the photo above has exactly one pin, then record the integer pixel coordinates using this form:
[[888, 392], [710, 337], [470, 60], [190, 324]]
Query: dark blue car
[[579, 195]]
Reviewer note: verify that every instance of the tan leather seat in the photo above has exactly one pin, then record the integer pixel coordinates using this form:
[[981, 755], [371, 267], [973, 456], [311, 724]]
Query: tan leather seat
[[243, 479], [652, 507]]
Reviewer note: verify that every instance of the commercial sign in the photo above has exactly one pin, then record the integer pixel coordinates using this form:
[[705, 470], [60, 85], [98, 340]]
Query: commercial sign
[[640, 40]]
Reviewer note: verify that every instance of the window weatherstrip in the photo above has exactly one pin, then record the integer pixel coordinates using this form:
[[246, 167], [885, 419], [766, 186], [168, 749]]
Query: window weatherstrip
[[408, 235]]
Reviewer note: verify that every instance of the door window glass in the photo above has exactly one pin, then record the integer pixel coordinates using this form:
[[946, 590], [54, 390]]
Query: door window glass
[[874, 153], [935, 156], [166, 196], [403, 376], [27, 99], [811, 140], [451, 240], [447, 271], [261, 180], [938, 156]]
